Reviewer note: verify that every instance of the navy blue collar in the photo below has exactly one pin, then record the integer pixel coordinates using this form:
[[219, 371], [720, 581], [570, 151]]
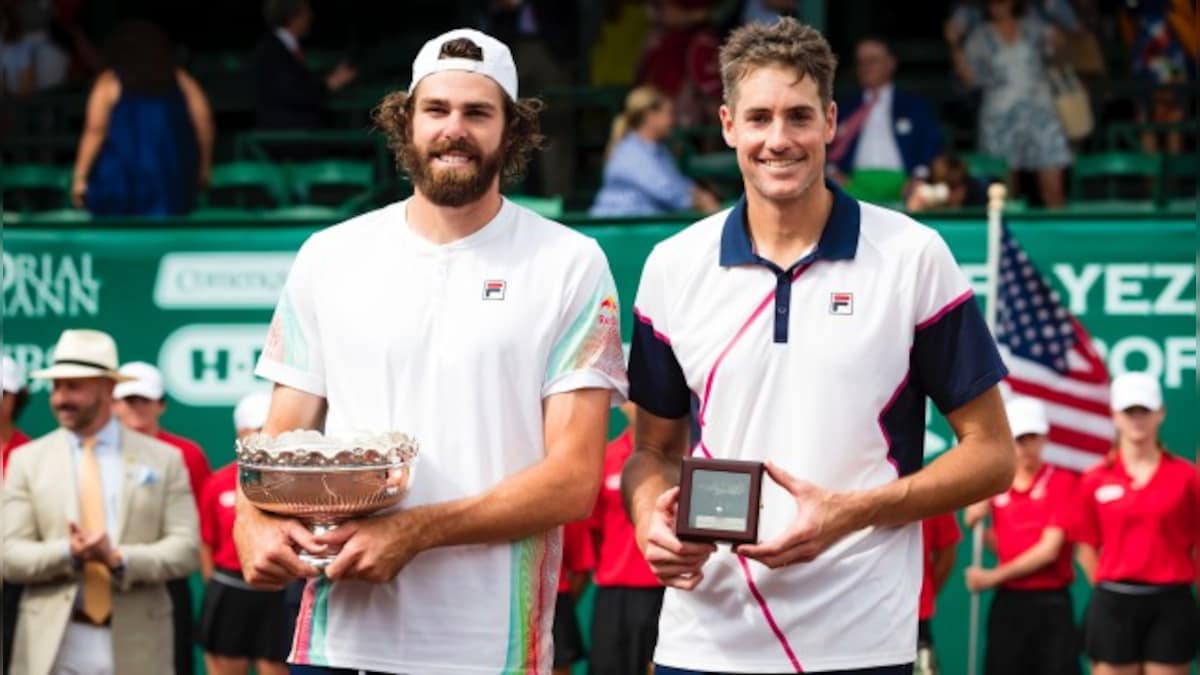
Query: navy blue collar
[[839, 239]]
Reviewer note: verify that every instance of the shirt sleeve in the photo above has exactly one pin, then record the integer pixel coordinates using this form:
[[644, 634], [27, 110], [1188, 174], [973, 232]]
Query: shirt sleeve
[[977, 52], [653, 172], [656, 380], [291, 355], [954, 356], [665, 183], [587, 350]]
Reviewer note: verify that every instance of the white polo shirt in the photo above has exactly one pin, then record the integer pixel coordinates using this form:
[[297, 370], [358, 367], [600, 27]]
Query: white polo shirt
[[458, 345], [822, 368]]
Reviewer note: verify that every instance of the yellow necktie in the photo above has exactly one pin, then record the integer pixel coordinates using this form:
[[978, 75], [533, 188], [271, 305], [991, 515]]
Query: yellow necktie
[[97, 579]]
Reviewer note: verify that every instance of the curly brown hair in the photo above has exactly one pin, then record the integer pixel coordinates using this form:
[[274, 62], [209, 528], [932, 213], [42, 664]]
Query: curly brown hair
[[787, 43], [522, 133]]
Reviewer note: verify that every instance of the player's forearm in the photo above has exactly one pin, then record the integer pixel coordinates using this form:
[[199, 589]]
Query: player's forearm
[[975, 469], [647, 474], [1035, 558], [557, 490]]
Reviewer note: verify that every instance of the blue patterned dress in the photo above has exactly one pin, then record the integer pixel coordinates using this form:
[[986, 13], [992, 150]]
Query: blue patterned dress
[[1018, 120]]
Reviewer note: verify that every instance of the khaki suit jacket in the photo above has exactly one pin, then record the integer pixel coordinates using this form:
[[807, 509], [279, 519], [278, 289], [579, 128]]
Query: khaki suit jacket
[[157, 535]]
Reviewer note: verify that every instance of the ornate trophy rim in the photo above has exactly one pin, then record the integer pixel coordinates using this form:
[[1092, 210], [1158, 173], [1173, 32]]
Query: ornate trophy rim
[[308, 450]]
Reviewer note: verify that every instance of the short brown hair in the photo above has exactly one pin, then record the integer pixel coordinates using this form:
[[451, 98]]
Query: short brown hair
[[787, 43], [522, 130]]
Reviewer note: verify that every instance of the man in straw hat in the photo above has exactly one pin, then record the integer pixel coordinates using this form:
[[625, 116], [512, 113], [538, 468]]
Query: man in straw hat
[[484, 330], [96, 518]]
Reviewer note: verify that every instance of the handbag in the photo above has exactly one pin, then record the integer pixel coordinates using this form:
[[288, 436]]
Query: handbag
[[1071, 100]]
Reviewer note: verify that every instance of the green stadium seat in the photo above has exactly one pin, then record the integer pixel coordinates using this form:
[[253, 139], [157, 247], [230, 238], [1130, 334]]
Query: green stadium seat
[[1180, 174], [35, 187], [877, 186], [546, 207], [224, 213], [980, 165], [715, 165], [56, 216], [304, 211], [1110, 167], [332, 182], [247, 185]]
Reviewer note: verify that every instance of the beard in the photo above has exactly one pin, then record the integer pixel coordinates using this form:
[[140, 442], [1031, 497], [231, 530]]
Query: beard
[[452, 187], [77, 417]]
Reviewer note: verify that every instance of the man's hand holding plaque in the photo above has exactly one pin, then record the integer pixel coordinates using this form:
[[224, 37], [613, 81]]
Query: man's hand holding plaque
[[822, 519], [676, 563]]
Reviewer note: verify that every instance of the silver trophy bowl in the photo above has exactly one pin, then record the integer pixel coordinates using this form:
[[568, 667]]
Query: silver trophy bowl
[[324, 481]]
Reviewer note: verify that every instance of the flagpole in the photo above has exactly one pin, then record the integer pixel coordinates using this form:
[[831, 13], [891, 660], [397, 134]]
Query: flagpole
[[997, 193]]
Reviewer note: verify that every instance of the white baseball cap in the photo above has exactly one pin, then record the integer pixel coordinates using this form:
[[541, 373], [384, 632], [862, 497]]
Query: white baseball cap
[[497, 60], [13, 376], [251, 410], [1026, 416], [146, 382], [1136, 389]]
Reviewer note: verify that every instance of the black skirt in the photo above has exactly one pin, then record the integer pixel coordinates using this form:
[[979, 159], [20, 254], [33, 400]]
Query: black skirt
[[241, 622], [568, 640]]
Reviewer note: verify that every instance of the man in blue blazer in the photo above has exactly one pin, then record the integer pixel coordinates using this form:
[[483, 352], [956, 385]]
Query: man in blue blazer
[[880, 126]]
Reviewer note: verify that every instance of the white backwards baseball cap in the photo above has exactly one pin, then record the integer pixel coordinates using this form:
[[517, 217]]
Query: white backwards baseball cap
[[13, 376], [147, 382], [1136, 389], [497, 60], [1026, 416], [251, 410]]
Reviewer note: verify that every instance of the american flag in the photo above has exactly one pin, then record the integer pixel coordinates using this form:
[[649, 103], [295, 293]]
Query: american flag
[[1050, 357]]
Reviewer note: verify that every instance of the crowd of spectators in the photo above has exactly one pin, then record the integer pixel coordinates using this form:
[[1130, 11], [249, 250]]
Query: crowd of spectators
[[1007, 59]]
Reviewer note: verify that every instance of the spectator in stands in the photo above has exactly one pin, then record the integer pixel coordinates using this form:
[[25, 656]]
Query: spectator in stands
[[1139, 535], [1162, 39], [1031, 626], [880, 126], [680, 59], [641, 177], [16, 55], [578, 558], [544, 38], [16, 395], [290, 95], [762, 11], [139, 403], [628, 596], [949, 186], [940, 537], [147, 140], [28, 46], [1005, 58], [239, 625]]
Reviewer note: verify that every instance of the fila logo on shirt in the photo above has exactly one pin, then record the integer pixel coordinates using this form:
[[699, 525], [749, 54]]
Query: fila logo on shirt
[[493, 289], [841, 303]]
